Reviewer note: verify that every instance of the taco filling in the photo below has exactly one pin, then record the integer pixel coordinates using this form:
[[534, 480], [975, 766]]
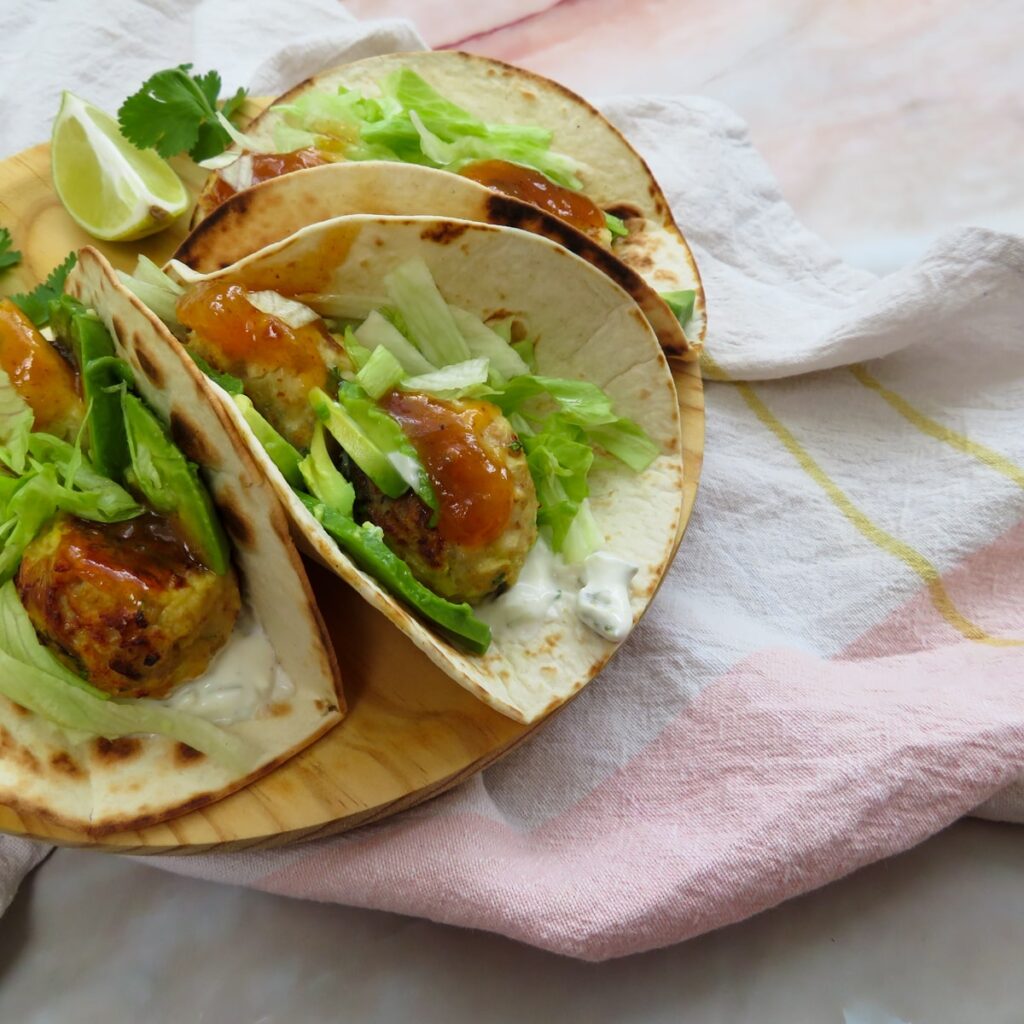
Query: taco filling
[[423, 442], [409, 121], [116, 581]]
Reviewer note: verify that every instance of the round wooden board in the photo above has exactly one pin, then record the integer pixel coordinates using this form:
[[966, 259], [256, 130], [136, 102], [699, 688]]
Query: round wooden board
[[410, 732]]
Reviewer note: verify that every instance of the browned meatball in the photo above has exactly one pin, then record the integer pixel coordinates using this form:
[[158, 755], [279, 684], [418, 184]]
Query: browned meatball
[[126, 605], [487, 521], [278, 365]]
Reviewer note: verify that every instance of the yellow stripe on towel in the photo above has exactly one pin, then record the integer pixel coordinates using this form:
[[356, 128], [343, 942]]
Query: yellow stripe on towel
[[910, 557], [984, 454]]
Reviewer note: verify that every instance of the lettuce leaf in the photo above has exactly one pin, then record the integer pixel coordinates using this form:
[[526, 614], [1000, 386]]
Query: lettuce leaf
[[455, 379], [432, 327], [31, 677], [378, 331], [16, 419], [322, 478], [413, 123]]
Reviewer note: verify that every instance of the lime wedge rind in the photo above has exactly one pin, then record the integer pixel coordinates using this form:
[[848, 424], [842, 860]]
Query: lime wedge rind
[[111, 189]]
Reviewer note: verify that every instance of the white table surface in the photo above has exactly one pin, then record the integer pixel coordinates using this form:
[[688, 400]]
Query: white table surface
[[931, 937]]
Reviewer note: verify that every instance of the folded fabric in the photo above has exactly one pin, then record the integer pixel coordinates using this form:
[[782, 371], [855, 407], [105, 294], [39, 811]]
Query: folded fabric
[[834, 667]]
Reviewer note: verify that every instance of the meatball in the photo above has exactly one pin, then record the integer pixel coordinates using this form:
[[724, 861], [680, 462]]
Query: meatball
[[277, 364], [487, 518], [126, 605]]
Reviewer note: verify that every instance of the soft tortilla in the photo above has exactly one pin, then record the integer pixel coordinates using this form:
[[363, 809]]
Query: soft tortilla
[[587, 328], [100, 786], [615, 176], [277, 208]]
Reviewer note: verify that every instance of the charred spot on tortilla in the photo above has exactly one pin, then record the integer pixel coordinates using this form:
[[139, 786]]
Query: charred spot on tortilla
[[237, 525], [63, 763], [184, 754], [124, 748], [625, 211], [187, 436], [444, 233], [118, 325], [13, 750]]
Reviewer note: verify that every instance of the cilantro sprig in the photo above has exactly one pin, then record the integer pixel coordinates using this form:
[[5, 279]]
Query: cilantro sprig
[[175, 112], [36, 303], [8, 257]]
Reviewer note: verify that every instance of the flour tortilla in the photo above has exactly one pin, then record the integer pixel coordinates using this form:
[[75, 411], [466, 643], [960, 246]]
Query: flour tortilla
[[615, 176], [95, 786], [277, 208], [586, 327]]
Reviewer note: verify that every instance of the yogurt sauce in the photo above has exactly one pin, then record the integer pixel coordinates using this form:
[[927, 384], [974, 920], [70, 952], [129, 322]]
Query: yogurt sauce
[[547, 589], [242, 679], [603, 603]]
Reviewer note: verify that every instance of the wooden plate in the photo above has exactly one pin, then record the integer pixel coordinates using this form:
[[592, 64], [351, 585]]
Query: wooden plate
[[410, 733]]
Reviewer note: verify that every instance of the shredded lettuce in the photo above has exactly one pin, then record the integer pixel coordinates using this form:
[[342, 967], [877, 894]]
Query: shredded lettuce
[[627, 441], [359, 447], [16, 419], [323, 479], [380, 373], [431, 324], [376, 331], [681, 303], [358, 354], [583, 537], [413, 123], [156, 290], [485, 343], [615, 225], [284, 455], [454, 380], [31, 677], [579, 401], [383, 430]]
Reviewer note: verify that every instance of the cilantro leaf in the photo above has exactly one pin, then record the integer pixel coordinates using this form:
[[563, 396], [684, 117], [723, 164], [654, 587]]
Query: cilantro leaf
[[8, 257], [233, 104], [36, 303], [174, 111]]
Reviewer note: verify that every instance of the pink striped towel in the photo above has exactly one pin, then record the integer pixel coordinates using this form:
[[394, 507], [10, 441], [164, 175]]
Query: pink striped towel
[[834, 669]]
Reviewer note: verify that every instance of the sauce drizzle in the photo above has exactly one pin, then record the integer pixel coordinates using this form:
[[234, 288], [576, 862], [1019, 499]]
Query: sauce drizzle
[[474, 489]]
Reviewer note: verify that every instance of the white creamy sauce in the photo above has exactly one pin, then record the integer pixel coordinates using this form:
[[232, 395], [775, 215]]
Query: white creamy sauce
[[547, 588], [293, 313], [238, 174], [242, 679], [603, 603]]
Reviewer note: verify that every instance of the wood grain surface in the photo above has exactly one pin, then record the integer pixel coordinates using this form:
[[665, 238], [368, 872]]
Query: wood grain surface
[[410, 733]]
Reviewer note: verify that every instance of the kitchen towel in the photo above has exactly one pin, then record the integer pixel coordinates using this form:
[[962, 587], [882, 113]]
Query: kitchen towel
[[834, 668]]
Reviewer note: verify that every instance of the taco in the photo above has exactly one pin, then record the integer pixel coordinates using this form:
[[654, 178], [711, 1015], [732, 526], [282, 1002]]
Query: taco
[[468, 423], [512, 131], [279, 207], [160, 645]]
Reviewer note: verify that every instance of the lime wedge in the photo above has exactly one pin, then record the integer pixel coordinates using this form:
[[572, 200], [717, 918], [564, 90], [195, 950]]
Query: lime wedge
[[115, 191]]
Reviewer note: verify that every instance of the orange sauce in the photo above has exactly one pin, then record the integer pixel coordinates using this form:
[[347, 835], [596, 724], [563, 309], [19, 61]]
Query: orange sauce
[[128, 558], [474, 490], [270, 165], [246, 337], [38, 372], [532, 187]]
